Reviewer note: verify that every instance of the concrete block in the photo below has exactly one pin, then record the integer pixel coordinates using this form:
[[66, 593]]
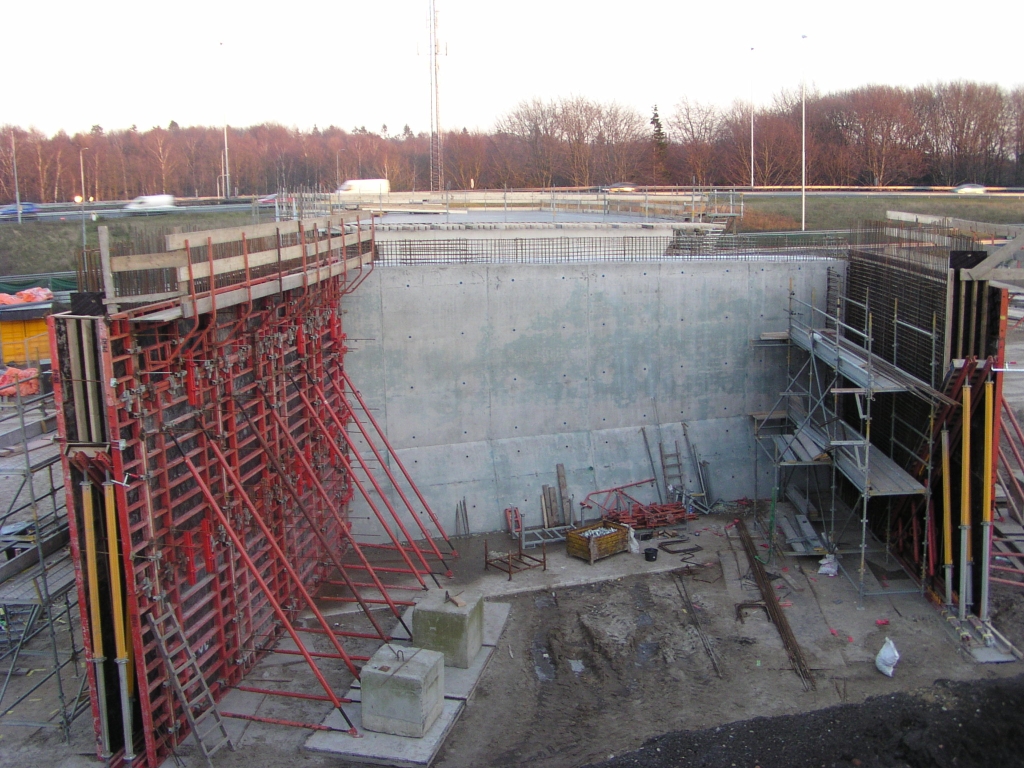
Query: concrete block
[[456, 631], [402, 690]]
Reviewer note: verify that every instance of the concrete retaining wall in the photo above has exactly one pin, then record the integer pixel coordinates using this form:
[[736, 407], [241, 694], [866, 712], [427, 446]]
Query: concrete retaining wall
[[486, 376]]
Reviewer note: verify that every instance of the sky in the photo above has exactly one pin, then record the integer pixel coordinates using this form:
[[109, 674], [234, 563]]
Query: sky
[[356, 63]]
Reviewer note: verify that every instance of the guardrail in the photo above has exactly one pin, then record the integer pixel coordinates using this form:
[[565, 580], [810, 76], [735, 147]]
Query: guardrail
[[210, 263]]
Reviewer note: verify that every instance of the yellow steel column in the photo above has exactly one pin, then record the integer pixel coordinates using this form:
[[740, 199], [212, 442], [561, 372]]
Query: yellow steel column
[[947, 519], [118, 611], [95, 612]]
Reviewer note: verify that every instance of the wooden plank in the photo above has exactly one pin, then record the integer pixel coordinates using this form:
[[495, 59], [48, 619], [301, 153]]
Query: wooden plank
[[563, 490], [262, 258], [144, 298], [137, 262], [273, 285], [544, 516], [108, 276], [556, 513], [176, 241]]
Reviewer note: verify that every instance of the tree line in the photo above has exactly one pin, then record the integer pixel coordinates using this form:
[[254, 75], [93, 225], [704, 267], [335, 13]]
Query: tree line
[[942, 134]]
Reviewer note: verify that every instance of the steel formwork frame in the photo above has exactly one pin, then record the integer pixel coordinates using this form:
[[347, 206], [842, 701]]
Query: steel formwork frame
[[209, 473]]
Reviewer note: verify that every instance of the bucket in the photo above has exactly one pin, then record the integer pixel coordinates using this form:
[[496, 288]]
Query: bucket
[[650, 554]]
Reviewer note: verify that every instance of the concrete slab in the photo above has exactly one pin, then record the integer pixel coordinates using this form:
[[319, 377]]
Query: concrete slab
[[383, 748], [459, 684], [402, 690], [457, 631]]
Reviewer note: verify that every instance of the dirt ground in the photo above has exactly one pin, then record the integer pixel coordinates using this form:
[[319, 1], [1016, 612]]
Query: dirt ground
[[588, 673]]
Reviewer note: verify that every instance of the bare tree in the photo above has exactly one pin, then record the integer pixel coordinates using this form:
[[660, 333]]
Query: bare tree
[[697, 127]]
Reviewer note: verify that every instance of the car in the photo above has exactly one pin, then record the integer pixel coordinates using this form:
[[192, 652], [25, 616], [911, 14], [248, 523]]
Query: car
[[620, 187], [10, 212], [151, 204], [969, 189]]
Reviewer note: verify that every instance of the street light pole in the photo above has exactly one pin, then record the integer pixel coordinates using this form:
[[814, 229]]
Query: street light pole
[[803, 148], [81, 170], [227, 167], [751, 128]]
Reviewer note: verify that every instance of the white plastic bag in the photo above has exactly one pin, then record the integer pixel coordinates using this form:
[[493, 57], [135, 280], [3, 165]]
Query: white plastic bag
[[828, 565], [634, 545], [886, 659]]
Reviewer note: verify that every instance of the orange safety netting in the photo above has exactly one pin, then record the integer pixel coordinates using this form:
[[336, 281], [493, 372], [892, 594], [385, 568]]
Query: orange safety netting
[[27, 296], [25, 381]]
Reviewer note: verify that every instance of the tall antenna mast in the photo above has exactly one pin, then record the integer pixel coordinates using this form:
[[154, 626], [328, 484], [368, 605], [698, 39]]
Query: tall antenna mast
[[436, 140]]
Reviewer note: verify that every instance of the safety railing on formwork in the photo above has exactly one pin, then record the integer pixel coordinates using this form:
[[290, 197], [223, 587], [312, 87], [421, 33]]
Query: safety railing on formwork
[[558, 250], [192, 264]]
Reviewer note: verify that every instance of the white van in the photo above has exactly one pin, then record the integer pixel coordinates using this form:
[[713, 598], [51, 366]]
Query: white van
[[365, 187], [152, 204]]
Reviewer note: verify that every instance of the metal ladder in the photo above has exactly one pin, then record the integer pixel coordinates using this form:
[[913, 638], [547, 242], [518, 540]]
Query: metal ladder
[[672, 469], [200, 710]]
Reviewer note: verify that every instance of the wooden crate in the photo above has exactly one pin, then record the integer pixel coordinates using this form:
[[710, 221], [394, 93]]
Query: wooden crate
[[596, 547]]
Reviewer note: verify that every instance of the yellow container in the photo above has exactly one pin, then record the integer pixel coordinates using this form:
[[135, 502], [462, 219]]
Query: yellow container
[[24, 342]]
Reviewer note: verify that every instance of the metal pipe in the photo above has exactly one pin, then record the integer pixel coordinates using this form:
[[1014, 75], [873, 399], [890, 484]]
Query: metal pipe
[[986, 503], [387, 471], [965, 500], [255, 571], [947, 519], [269, 535], [117, 611], [332, 554], [344, 527], [362, 404], [95, 614]]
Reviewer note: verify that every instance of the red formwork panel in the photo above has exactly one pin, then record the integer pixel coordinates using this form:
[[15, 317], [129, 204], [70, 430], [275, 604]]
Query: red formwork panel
[[222, 432]]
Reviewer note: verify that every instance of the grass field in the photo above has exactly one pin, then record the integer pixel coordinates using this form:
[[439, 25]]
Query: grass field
[[50, 246], [778, 213]]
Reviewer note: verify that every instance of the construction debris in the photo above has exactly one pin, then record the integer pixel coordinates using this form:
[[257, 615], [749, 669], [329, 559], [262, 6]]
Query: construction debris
[[774, 610]]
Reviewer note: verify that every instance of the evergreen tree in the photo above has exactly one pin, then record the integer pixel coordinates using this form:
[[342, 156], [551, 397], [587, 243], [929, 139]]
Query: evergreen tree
[[659, 142]]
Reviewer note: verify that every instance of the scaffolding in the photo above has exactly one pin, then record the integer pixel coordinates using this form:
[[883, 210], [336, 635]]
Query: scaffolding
[[879, 422], [213, 443], [810, 428], [37, 595]]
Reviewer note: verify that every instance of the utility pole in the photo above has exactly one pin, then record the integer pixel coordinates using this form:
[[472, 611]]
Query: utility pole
[[803, 147], [17, 192], [436, 139]]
